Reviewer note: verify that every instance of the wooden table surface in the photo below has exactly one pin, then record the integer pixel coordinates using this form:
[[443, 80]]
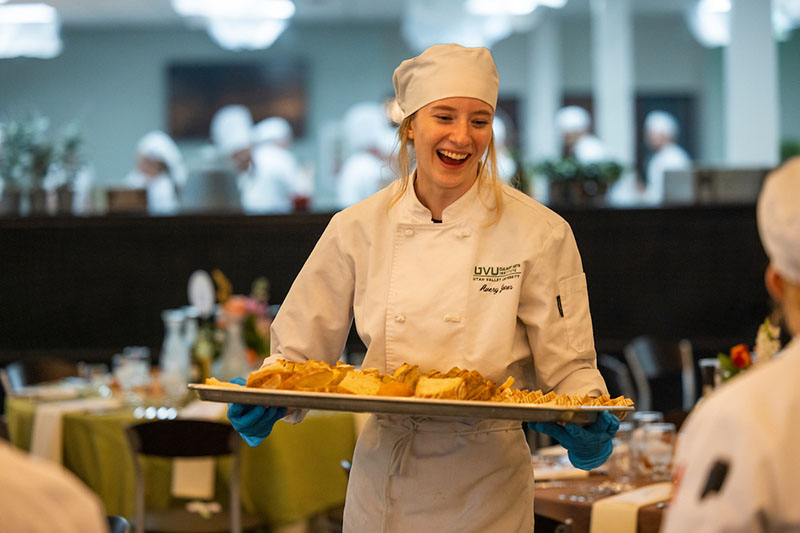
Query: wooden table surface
[[552, 500]]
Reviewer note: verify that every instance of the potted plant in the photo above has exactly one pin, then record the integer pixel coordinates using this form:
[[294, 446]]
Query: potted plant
[[580, 184], [24, 161], [68, 160]]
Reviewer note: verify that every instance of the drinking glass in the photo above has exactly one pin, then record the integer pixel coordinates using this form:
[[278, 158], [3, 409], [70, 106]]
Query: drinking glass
[[658, 448], [620, 465], [640, 420], [710, 374]]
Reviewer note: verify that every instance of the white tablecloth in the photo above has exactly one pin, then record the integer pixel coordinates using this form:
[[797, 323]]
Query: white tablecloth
[[46, 435]]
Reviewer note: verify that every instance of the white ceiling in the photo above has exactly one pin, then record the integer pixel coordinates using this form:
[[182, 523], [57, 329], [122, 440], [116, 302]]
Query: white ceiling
[[159, 12]]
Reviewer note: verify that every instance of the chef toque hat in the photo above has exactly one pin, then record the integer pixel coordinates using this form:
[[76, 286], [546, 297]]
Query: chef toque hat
[[572, 119], [661, 122], [159, 146], [445, 71], [778, 214], [231, 128], [272, 130], [362, 126]]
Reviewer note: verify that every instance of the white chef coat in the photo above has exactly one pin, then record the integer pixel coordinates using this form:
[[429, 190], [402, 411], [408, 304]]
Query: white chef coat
[[669, 157], [362, 175], [464, 293], [162, 198], [750, 423], [269, 187], [40, 497]]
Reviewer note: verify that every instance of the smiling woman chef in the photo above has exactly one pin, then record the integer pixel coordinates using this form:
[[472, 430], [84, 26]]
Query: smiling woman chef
[[446, 267]]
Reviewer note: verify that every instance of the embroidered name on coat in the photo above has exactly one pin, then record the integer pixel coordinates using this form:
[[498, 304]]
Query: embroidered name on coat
[[496, 273]]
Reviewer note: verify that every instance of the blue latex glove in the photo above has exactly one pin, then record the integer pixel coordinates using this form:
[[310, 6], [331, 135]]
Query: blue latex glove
[[253, 422], [587, 447]]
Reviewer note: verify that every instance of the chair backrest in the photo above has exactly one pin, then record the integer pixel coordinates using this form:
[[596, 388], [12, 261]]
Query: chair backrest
[[617, 376], [12, 377], [664, 364], [185, 438], [118, 524], [39, 369]]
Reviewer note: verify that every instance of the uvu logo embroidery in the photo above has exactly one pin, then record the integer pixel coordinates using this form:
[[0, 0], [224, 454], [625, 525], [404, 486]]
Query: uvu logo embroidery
[[496, 273]]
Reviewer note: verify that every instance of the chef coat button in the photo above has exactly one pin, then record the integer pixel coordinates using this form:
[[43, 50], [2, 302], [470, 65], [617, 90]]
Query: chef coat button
[[464, 233], [409, 232], [452, 318], [399, 318]]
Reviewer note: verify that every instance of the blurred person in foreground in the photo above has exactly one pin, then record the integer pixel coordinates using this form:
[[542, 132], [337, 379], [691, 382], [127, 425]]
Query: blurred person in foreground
[[367, 142], [271, 185], [736, 467], [41, 497], [574, 124], [412, 266], [660, 135], [159, 169]]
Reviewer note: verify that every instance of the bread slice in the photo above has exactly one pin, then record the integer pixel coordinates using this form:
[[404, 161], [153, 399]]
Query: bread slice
[[359, 383], [445, 388]]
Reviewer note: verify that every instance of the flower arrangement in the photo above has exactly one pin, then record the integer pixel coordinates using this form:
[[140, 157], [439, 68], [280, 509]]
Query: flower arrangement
[[740, 358], [251, 311]]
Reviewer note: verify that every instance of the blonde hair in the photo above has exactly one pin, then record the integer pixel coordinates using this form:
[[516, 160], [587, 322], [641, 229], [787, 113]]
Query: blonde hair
[[487, 168]]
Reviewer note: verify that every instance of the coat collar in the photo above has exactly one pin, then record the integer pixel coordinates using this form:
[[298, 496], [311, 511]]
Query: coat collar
[[473, 202]]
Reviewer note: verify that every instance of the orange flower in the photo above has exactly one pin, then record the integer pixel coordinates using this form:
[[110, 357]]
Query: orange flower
[[235, 306], [740, 356]]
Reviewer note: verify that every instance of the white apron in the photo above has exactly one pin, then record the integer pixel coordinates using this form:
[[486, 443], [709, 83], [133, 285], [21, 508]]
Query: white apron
[[417, 474]]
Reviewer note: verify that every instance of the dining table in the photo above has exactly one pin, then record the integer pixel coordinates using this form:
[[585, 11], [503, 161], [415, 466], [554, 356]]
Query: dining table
[[293, 475], [570, 502]]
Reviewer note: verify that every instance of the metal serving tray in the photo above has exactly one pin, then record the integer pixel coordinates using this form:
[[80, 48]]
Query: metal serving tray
[[403, 406]]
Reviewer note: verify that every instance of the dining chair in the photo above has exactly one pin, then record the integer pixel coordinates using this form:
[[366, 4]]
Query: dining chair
[[12, 377], [617, 376], [35, 369], [187, 438], [663, 372], [118, 524]]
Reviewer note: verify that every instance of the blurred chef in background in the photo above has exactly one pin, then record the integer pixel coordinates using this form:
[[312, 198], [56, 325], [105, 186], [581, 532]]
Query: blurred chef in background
[[574, 124], [368, 140], [660, 135], [506, 164], [231, 134], [271, 184], [160, 170]]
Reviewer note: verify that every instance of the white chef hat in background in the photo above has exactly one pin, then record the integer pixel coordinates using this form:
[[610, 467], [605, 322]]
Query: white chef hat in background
[[661, 122], [363, 126], [778, 214], [272, 130], [572, 119], [159, 146], [445, 71], [231, 129]]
